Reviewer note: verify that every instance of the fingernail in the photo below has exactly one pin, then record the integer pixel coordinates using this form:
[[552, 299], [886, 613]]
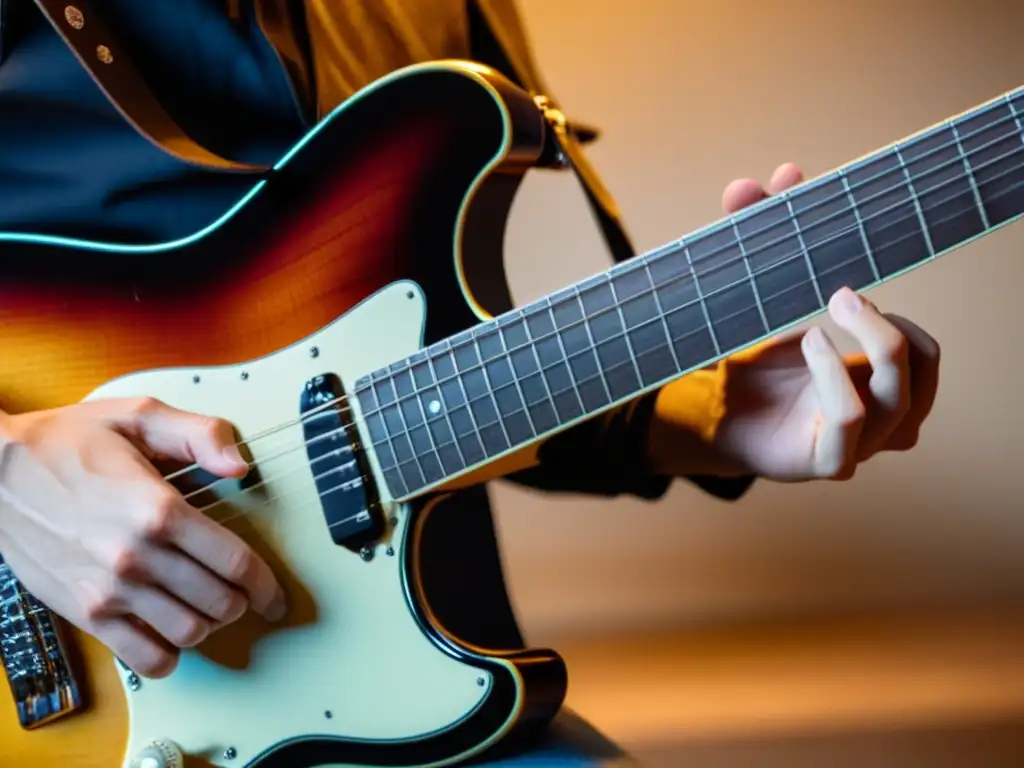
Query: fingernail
[[277, 608], [814, 340], [232, 454], [849, 301]]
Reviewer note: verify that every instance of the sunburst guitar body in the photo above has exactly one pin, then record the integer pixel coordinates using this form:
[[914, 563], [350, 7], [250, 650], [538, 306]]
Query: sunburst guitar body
[[321, 275], [351, 318]]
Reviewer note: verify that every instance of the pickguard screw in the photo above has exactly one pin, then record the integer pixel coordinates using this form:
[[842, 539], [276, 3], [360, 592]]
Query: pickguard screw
[[390, 551], [230, 753], [314, 352], [393, 520], [480, 681], [366, 553], [410, 295], [133, 682], [328, 714], [195, 379], [245, 375]]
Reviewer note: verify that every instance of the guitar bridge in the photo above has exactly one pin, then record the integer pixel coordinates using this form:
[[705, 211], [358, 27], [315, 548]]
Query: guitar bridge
[[33, 655]]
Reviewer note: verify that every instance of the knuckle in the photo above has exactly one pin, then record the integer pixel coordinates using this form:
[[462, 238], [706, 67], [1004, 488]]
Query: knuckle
[[127, 562], [240, 564], [101, 605], [163, 518], [190, 631], [144, 406], [226, 607]]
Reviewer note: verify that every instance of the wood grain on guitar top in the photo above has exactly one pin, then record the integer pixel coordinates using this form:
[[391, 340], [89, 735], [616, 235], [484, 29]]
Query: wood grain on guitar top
[[324, 234]]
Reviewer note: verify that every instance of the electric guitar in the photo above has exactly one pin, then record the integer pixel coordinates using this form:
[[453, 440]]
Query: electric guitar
[[303, 316]]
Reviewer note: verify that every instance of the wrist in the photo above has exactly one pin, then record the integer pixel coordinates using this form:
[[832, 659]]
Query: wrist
[[684, 426]]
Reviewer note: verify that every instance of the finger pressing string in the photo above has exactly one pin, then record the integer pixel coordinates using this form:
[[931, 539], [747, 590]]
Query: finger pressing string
[[842, 412]]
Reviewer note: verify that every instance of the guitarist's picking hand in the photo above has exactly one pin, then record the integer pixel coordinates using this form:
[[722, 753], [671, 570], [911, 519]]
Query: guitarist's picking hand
[[91, 527]]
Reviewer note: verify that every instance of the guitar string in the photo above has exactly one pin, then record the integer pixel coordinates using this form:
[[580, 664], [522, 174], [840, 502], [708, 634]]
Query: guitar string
[[668, 250], [787, 259], [708, 256], [961, 157], [740, 217], [322, 475]]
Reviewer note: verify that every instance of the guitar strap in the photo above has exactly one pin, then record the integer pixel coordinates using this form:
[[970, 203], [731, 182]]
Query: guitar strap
[[91, 41]]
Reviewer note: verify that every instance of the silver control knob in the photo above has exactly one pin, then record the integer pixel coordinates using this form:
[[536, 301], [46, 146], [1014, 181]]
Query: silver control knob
[[159, 754]]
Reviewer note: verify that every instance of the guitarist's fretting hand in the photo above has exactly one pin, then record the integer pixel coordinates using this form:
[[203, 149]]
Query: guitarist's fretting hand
[[95, 532], [794, 408]]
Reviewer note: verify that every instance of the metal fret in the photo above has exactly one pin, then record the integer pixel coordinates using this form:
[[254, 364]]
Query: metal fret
[[750, 274], [416, 395], [557, 333], [969, 172], [444, 411], [1008, 98], [803, 247], [367, 392], [916, 201], [493, 399], [700, 296], [540, 372], [994, 146], [860, 225], [625, 329], [662, 315], [515, 380], [407, 433], [475, 433], [593, 343]]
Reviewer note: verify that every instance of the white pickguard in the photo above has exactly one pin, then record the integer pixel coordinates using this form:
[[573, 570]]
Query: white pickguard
[[363, 658]]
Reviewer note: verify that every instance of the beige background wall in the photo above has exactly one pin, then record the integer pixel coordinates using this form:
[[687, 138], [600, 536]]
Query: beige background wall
[[691, 94]]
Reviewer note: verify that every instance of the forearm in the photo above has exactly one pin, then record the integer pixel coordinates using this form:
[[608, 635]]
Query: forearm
[[641, 448]]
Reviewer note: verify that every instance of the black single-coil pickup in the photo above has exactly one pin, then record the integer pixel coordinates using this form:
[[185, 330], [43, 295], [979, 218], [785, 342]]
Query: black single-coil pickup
[[33, 656], [347, 495]]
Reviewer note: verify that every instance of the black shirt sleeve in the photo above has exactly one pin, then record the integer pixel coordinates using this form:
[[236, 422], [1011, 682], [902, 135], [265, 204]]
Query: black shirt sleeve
[[605, 456]]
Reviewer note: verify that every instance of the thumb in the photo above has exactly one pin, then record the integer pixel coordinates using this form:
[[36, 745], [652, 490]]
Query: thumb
[[181, 435]]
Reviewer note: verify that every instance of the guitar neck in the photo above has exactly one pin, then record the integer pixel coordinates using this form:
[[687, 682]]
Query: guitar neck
[[532, 372]]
